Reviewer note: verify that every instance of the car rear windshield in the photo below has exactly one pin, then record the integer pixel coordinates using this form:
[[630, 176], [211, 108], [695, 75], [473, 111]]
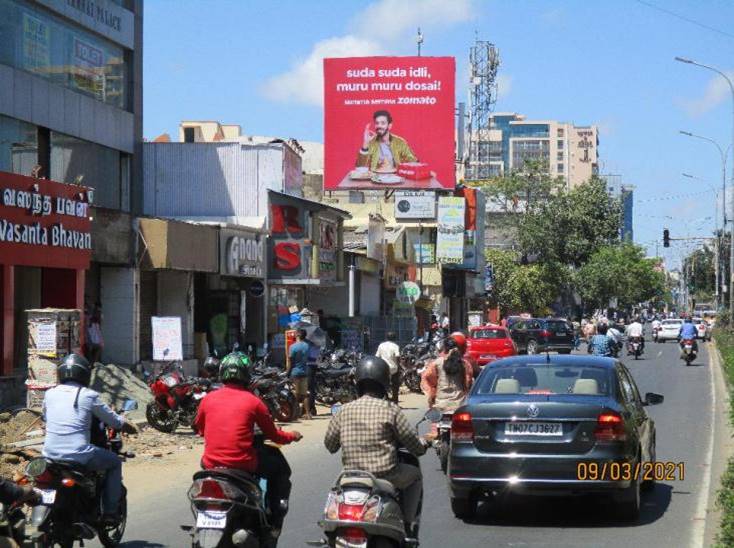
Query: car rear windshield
[[489, 334], [544, 378], [672, 322], [557, 325]]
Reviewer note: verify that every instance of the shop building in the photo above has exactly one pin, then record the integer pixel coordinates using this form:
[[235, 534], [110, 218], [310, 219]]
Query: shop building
[[45, 248], [71, 111]]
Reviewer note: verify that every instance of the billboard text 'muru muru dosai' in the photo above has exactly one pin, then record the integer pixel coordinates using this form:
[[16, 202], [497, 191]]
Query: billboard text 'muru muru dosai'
[[389, 123]]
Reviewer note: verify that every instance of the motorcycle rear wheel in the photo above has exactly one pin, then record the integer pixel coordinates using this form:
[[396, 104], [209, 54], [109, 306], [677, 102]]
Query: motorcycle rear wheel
[[412, 381], [112, 536], [161, 420], [285, 409]]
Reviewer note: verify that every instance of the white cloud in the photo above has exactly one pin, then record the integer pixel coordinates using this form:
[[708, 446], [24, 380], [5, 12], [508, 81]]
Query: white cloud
[[377, 29], [504, 85], [716, 92]]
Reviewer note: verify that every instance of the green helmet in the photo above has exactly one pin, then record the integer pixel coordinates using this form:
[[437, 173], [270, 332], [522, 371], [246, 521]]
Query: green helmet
[[235, 368]]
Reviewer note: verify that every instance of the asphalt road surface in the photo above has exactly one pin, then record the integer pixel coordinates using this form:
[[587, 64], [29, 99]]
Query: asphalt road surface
[[672, 515]]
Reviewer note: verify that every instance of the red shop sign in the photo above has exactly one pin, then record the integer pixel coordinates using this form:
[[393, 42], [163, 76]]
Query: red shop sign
[[44, 223]]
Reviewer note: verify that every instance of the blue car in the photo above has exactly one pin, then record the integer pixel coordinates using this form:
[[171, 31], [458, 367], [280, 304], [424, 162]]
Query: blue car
[[564, 424]]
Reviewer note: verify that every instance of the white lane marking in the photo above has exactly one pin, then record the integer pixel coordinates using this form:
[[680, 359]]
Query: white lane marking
[[698, 527], [660, 353]]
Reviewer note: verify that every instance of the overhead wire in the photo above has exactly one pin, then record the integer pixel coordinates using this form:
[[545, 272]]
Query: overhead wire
[[684, 18]]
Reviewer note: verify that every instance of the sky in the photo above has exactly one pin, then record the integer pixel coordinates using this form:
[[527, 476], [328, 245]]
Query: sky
[[609, 63]]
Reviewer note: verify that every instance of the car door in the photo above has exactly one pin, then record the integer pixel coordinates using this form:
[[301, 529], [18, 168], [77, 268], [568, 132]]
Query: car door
[[636, 413], [533, 332]]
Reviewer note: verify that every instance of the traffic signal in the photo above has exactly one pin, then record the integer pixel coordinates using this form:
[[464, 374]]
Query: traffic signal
[[666, 237]]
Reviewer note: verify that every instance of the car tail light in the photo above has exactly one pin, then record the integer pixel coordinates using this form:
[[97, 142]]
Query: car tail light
[[462, 428], [610, 427], [545, 333], [353, 535], [68, 482]]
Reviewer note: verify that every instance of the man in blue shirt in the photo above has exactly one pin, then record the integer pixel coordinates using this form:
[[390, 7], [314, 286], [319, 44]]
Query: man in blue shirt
[[688, 331], [599, 344], [68, 410], [298, 370]]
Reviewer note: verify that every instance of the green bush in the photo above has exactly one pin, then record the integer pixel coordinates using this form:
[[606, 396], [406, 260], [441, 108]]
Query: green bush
[[725, 496]]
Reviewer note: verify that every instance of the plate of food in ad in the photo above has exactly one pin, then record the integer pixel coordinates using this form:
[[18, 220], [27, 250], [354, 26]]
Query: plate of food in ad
[[361, 174], [387, 179]]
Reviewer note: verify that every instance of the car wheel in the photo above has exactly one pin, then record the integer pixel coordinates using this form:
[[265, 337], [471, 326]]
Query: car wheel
[[464, 508], [532, 347], [629, 502]]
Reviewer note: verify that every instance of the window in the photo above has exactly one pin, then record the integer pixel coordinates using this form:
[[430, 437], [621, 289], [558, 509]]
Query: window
[[559, 156], [189, 133], [81, 162], [559, 144], [43, 44], [560, 168], [560, 132], [18, 146]]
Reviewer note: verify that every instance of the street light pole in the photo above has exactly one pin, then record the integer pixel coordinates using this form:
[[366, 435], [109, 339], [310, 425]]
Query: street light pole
[[731, 239], [717, 243]]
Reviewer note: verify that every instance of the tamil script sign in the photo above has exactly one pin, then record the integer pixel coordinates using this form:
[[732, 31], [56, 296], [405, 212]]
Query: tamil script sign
[[450, 240]]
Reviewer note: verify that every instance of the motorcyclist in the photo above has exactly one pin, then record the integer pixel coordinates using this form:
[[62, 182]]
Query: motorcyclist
[[447, 380], [634, 331], [226, 419], [615, 339], [656, 325], [688, 331], [461, 344], [369, 429], [70, 410], [599, 343]]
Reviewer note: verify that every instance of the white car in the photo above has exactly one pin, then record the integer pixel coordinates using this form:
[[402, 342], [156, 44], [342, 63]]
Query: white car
[[669, 330], [703, 328]]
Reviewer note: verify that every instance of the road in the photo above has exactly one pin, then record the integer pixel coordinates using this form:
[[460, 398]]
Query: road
[[673, 515]]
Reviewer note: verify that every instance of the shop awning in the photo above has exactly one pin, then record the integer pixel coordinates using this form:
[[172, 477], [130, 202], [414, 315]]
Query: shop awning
[[177, 245]]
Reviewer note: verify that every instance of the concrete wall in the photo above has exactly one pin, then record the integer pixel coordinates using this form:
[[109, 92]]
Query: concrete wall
[[370, 288], [334, 301], [176, 298], [119, 292]]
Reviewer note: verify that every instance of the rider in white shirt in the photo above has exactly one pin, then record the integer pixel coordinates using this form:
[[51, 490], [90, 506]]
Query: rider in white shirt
[[635, 330]]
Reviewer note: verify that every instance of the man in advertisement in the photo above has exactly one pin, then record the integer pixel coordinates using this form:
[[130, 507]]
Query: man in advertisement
[[382, 150]]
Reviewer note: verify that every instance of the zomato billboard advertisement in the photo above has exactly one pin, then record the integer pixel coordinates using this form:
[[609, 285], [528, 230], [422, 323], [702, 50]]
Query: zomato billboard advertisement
[[389, 123]]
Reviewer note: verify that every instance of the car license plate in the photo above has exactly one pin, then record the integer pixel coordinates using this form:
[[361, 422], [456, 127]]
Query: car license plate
[[560, 333], [211, 519], [48, 496], [533, 429], [489, 357]]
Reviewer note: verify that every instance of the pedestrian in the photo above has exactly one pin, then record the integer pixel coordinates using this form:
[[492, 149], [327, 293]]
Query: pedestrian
[[389, 351], [445, 324], [95, 341], [297, 368]]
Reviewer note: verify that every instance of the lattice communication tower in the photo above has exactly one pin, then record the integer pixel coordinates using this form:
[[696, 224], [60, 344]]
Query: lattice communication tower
[[484, 60]]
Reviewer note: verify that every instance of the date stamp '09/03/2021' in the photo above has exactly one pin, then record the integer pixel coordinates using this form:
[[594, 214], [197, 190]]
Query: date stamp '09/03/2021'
[[630, 471]]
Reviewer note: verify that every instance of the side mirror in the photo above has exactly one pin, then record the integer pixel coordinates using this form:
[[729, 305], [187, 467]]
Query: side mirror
[[129, 405], [433, 415], [653, 399]]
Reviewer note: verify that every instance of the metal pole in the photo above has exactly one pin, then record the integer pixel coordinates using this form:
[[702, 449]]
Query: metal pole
[[352, 290]]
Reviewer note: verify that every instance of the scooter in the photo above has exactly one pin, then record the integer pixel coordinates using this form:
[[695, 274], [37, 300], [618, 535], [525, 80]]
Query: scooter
[[634, 347], [687, 351], [442, 443], [363, 511]]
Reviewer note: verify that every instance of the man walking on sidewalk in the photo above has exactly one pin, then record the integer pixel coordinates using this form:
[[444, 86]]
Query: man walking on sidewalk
[[390, 352]]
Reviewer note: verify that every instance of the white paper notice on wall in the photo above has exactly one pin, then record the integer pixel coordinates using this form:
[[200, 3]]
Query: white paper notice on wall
[[46, 339], [167, 345]]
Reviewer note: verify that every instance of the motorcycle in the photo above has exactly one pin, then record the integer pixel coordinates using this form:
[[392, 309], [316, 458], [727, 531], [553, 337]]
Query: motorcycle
[[229, 507], [335, 384], [442, 443], [71, 508], [634, 347], [175, 398], [413, 359], [362, 510], [12, 523], [688, 353], [274, 388]]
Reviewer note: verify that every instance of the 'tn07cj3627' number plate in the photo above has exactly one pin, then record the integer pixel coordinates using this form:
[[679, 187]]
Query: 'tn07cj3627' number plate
[[211, 519], [533, 429]]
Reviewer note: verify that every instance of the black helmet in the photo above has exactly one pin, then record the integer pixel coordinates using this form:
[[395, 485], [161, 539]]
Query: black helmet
[[75, 368], [372, 373], [211, 366]]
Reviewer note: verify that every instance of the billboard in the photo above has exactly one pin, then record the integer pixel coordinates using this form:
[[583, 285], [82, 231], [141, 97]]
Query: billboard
[[416, 204], [389, 123], [450, 240]]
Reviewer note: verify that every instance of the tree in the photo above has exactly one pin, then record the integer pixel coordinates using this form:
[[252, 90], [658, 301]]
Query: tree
[[620, 271]]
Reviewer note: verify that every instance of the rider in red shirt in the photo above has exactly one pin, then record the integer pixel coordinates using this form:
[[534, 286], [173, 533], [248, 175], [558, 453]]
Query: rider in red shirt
[[227, 418]]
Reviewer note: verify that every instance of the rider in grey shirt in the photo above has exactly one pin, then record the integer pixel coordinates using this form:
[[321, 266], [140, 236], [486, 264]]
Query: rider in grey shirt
[[68, 409]]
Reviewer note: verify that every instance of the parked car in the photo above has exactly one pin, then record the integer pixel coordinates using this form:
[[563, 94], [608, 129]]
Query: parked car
[[535, 335], [546, 425], [669, 330], [488, 343], [703, 328]]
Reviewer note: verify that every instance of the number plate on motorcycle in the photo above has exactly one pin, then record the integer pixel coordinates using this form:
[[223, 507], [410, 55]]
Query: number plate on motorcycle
[[48, 496], [211, 519]]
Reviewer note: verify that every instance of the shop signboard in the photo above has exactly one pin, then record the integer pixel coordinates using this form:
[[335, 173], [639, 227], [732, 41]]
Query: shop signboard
[[450, 240], [389, 123], [327, 249], [44, 223], [241, 253], [167, 342], [289, 258], [424, 253], [36, 44], [420, 204], [408, 292]]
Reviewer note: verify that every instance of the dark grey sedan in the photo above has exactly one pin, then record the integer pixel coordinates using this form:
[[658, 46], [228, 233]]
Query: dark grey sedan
[[541, 424]]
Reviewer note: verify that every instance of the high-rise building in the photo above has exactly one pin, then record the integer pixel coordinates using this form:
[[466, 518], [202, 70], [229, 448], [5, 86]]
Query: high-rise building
[[569, 151], [625, 194]]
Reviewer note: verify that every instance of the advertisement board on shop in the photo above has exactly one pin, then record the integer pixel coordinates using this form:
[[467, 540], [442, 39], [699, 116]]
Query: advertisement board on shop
[[420, 204], [389, 123], [450, 240]]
